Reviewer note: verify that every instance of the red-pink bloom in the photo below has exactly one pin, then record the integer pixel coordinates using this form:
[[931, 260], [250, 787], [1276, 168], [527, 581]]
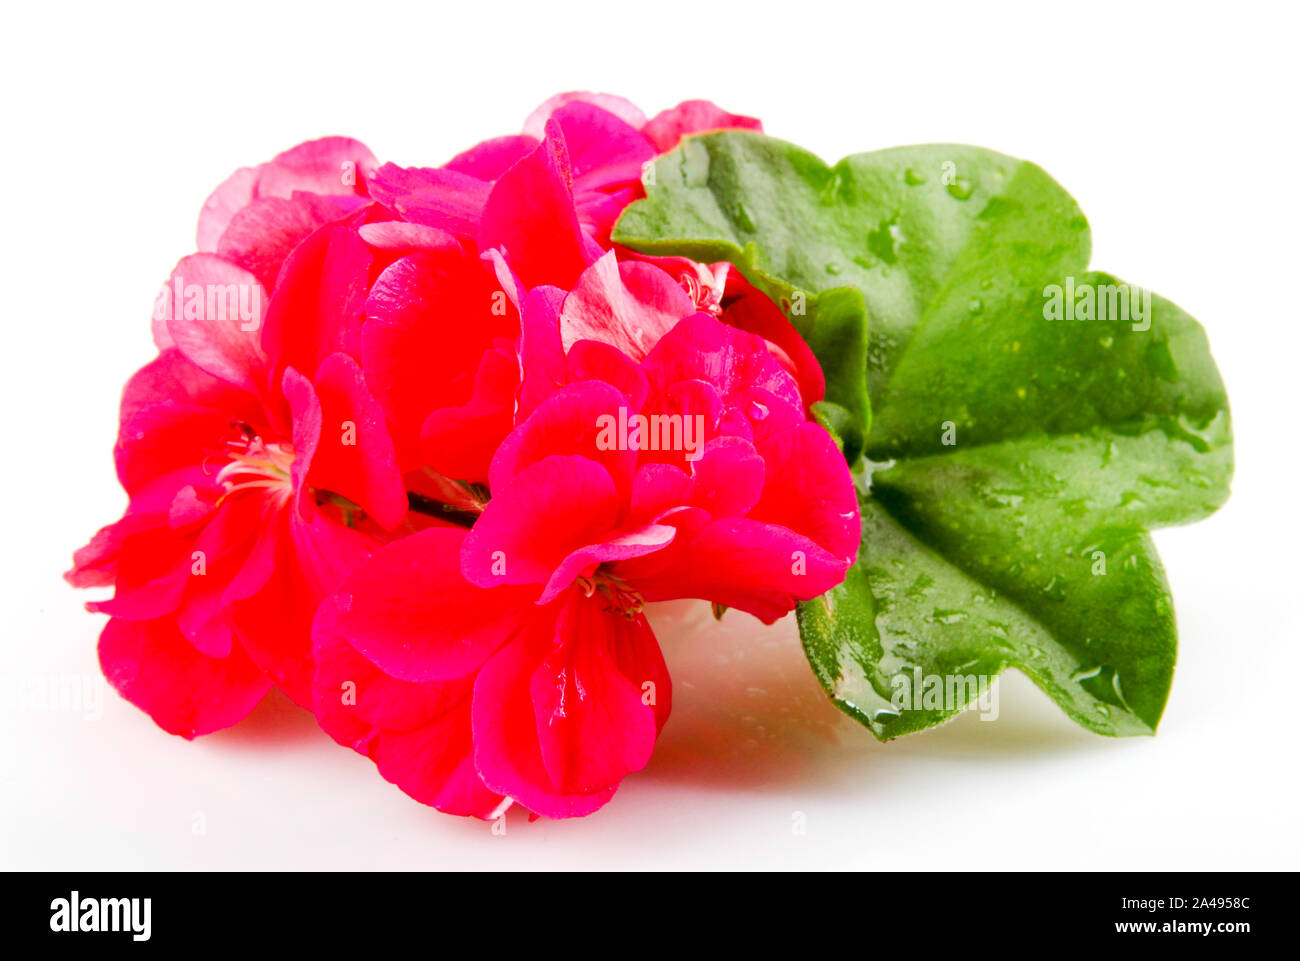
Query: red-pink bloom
[[254, 407], [479, 251], [464, 332], [514, 661]]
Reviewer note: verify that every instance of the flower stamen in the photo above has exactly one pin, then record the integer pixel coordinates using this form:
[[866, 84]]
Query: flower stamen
[[618, 596], [706, 287], [255, 464]]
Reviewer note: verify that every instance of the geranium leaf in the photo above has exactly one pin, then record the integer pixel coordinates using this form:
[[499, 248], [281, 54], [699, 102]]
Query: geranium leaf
[[702, 204], [1017, 457], [1101, 646]]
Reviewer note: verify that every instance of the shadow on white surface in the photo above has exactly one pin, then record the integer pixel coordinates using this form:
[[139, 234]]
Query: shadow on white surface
[[276, 720], [748, 712]]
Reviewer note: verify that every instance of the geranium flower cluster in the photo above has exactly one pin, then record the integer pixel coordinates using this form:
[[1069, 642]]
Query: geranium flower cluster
[[420, 443]]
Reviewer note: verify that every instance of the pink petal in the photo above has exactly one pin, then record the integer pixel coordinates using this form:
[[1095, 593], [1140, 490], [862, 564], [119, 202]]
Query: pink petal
[[582, 562], [693, 116], [591, 360], [154, 561], [97, 563], [460, 441], [413, 362], [401, 237], [443, 198], [592, 724], [355, 456], [625, 110], [807, 489], [311, 559], [530, 215], [187, 693], [174, 415], [316, 309], [225, 542], [629, 306], [507, 743], [604, 150], [547, 511], [755, 312], [732, 361], [541, 354], [206, 323], [307, 419], [728, 478], [657, 488], [570, 421], [760, 568], [330, 165], [234, 194], [262, 235], [354, 700], [492, 158], [435, 765], [410, 611]]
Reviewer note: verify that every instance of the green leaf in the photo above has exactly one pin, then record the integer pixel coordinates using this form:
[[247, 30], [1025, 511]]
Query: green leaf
[[1016, 461], [907, 607], [701, 208]]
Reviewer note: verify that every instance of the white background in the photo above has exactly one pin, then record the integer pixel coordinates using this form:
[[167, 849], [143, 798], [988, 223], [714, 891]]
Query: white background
[[1173, 127]]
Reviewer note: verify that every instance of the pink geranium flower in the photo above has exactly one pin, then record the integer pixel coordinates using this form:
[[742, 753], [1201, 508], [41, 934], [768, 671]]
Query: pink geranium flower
[[513, 661], [477, 254], [351, 340], [257, 464]]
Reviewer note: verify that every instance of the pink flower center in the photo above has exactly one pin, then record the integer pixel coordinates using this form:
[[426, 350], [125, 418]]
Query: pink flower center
[[619, 597], [706, 287], [257, 465]]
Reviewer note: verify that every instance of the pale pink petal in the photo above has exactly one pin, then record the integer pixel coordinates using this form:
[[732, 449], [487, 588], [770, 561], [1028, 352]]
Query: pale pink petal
[[234, 194], [330, 165], [399, 236], [629, 306], [446, 199], [625, 110], [207, 321]]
